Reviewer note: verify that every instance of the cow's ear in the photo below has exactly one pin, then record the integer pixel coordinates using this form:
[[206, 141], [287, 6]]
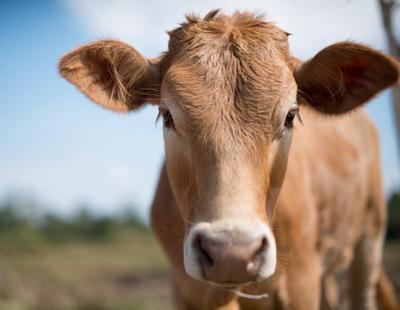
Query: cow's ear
[[343, 76], [112, 74]]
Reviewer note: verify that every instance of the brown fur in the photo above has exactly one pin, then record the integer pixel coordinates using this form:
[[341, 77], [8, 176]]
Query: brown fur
[[229, 82], [217, 55]]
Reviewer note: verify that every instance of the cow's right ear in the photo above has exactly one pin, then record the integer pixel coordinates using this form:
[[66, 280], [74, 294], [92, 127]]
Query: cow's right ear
[[112, 74]]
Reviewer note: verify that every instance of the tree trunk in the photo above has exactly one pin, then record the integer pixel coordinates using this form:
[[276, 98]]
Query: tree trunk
[[387, 9]]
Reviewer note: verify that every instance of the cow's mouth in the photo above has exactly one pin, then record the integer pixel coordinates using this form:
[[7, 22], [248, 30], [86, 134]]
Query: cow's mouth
[[234, 288], [230, 285]]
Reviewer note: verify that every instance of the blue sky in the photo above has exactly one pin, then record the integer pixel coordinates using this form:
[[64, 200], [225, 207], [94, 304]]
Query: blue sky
[[57, 146]]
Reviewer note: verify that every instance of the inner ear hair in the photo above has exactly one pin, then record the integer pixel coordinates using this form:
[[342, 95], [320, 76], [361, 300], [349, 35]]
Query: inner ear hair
[[344, 76]]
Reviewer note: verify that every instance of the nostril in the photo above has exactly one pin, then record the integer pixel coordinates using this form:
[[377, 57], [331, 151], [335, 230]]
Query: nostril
[[255, 261], [264, 246], [200, 248]]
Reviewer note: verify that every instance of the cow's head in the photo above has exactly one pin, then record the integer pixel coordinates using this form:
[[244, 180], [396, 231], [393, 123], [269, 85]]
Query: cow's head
[[228, 92]]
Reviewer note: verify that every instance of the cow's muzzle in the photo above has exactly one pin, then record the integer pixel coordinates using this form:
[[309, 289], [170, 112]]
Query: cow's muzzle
[[230, 254]]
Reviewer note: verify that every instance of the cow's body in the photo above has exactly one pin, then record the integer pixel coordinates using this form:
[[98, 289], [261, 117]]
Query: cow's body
[[229, 91], [330, 201]]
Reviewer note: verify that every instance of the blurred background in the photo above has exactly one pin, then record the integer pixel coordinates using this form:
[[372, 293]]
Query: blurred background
[[76, 181]]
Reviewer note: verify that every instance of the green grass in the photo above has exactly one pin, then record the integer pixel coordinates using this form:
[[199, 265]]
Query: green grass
[[127, 272]]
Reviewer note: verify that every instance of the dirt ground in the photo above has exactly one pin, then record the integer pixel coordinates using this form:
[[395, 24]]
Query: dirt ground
[[130, 273]]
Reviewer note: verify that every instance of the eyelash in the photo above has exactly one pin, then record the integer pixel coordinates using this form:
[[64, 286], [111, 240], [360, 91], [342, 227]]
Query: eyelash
[[288, 124], [290, 119], [292, 114], [168, 121]]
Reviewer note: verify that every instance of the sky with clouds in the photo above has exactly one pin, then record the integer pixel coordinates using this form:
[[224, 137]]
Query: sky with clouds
[[57, 146]]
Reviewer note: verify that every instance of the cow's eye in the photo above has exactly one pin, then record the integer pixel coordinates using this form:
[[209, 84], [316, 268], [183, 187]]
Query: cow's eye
[[168, 120], [290, 118]]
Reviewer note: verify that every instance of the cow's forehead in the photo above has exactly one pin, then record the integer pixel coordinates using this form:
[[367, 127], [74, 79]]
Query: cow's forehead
[[229, 72], [222, 42], [242, 32]]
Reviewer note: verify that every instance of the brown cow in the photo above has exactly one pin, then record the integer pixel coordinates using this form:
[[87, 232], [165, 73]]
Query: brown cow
[[228, 92]]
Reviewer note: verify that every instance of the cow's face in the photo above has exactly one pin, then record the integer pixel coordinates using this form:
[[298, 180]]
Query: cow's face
[[228, 100], [226, 156], [228, 93]]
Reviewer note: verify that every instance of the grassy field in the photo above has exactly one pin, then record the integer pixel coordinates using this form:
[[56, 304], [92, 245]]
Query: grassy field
[[127, 272]]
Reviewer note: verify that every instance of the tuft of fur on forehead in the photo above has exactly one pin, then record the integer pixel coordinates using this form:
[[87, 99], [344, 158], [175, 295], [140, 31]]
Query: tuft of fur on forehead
[[240, 31], [228, 69]]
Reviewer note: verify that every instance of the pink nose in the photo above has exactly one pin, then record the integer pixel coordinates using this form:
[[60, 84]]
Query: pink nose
[[232, 258]]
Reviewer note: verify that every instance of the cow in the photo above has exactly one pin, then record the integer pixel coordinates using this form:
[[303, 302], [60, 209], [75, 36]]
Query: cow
[[271, 182]]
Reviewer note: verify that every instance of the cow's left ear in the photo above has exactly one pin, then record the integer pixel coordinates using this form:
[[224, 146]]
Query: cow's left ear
[[343, 76]]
